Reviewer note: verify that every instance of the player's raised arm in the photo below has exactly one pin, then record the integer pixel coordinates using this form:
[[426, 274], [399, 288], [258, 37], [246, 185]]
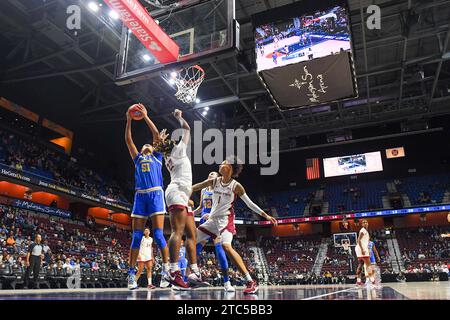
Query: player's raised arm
[[150, 124], [183, 123], [199, 186], [129, 138], [240, 191], [200, 206]]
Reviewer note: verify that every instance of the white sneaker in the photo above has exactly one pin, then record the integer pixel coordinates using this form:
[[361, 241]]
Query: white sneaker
[[132, 284], [228, 287], [164, 283]]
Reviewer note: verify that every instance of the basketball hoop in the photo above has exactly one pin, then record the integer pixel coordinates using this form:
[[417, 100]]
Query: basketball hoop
[[187, 81]]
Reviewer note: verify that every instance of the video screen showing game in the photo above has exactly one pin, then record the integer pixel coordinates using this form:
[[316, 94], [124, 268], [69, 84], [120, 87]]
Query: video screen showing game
[[307, 37], [353, 164]]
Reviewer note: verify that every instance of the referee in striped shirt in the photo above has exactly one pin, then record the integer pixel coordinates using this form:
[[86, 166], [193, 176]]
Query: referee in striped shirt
[[34, 260]]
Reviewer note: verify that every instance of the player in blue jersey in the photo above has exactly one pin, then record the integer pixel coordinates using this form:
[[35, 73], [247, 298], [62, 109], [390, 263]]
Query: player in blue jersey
[[374, 258], [204, 209], [182, 261], [149, 197]]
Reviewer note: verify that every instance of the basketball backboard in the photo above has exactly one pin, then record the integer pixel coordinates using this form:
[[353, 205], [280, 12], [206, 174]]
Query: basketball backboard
[[201, 29]]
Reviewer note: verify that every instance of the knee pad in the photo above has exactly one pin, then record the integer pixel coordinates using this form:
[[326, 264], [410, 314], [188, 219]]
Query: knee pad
[[159, 238], [137, 238]]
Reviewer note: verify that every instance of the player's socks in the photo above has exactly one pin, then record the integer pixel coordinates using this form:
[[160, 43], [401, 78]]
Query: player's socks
[[174, 267], [149, 280], [247, 277], [194, 268], [358, 280], [165, 267]]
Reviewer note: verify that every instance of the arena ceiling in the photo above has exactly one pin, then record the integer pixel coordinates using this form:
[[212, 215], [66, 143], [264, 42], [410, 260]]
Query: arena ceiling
[[403, 70]]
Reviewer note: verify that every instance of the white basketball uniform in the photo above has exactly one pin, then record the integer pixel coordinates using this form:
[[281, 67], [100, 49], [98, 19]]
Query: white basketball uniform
[[364, 234], [146, 250], [221, 218], [178, 191]]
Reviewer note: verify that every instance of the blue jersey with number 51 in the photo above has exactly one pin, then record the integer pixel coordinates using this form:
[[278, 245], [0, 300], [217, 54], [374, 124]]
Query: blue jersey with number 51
[[148, 171]]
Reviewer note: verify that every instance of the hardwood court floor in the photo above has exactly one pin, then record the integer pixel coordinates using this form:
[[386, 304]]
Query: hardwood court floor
[[389, 291]]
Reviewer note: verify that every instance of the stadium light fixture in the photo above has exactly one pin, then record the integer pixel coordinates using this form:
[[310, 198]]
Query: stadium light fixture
[[197, 100], [93, 6], [146, 57], [114, 15]]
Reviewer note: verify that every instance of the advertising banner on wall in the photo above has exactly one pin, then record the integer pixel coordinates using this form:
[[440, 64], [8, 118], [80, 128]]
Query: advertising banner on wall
[[23, 176]]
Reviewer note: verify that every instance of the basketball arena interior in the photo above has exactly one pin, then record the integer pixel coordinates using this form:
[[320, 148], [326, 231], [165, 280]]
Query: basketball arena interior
[[337, 111]]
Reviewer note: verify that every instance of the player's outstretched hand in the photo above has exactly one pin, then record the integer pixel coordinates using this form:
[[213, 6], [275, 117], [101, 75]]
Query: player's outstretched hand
[[163, 135], [177, 113], [272, 219], [143, 109]]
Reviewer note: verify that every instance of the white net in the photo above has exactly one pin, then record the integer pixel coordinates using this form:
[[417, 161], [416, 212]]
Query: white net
[[187, 81]]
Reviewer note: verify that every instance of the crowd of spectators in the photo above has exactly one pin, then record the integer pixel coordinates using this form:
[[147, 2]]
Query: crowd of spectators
[[289, 257], [32, 156], [64, 247], [307, 277], [73, 245], [424, 249]]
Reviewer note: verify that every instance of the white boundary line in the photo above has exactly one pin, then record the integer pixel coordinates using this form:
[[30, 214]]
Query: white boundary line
[[328, 294]]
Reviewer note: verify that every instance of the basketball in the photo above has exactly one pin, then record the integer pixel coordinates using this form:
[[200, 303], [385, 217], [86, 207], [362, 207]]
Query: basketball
[[135, 112]]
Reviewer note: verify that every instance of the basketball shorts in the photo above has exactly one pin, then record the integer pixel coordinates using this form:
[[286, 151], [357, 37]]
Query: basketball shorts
[[148, 202], [202, 221], [144, 258], [359, 252], [220, 226], [177, 195]]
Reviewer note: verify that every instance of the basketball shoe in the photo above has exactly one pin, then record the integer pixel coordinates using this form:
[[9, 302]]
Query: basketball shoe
[[132, 284], [176, 280], [251, 287], [195, 281], [228, 287]]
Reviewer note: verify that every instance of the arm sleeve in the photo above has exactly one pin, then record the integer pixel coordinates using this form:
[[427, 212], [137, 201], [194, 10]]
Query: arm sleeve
[[250, 204]]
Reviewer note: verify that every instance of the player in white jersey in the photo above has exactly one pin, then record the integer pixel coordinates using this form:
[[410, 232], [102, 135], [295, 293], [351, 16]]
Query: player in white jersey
[[363, 253], [177, 195], [221, 219], [145, 258]]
